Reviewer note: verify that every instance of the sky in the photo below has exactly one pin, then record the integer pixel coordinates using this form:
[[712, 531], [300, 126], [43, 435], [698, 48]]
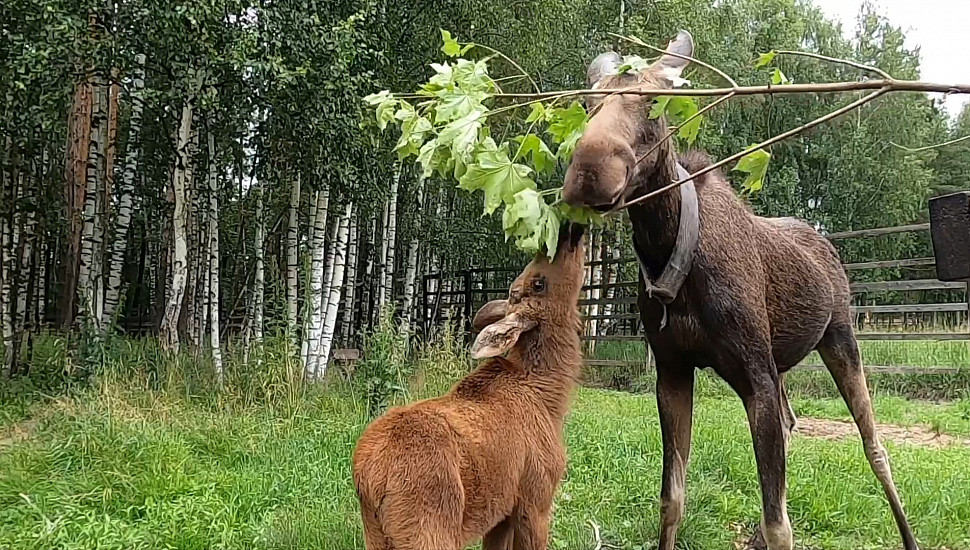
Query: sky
[[939, 27]]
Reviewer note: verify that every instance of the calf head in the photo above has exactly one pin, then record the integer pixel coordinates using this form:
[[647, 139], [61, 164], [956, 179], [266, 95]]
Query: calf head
[[545, 293], [605, 168]]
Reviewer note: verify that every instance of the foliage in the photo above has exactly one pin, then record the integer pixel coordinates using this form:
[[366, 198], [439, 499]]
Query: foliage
[[383, 370], [449, 135]]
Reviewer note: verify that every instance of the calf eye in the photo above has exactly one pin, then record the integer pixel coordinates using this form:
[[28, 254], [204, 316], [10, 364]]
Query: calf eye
[[538, 285]]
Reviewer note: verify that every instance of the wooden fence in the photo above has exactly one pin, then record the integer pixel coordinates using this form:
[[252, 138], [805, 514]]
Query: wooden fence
[[884, 309]]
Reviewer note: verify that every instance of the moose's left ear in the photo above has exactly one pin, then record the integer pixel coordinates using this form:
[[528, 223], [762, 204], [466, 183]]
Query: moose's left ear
[[499, 337], [489, 313], [604, 65], [672, 66]]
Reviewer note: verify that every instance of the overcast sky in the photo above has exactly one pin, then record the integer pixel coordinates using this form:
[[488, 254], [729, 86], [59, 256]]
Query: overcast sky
[[939, 27]]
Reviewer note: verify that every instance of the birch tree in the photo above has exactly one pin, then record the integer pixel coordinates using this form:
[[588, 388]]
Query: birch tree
[[411, 271], [89, 281], [330, 317], [350, 289], [259, 278], [311, 333], [292, 257], [119, 243], [213, 233], [178, 266]]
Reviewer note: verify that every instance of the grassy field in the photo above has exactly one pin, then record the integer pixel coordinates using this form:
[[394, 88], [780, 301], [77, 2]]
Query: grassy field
[[126, 465]]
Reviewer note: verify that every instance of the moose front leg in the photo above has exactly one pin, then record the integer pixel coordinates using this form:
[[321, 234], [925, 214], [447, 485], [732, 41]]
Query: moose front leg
[[762, 400], [675, 402]]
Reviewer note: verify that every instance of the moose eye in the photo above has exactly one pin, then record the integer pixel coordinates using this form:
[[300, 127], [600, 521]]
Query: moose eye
[[538, 285]]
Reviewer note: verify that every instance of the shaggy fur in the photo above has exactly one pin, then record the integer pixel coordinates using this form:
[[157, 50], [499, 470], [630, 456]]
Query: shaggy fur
[[483, 460], [761, 294]]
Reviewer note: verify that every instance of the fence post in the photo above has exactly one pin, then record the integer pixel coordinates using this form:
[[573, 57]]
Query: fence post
[[466, 277]]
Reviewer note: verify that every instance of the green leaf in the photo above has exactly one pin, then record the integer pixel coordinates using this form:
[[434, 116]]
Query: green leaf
[[525, 211], [659, 106], [778, 77], [632, 64], [755, 164], [385, 112], [538, 113], [579, 214], [461, 135], [550, 230], [566, 125], [456, 104], [377, 98], [765, 59], [498, 176], [533, 147], [678, 110], [413, 133], [451, 48], [426, 157]]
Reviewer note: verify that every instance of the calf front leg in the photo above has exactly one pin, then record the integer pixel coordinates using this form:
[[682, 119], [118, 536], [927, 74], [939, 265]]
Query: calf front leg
[[762, 401], [675, 402]]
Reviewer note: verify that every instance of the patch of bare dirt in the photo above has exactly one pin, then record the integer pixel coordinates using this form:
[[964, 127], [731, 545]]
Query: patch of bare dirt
[[16, 433], [838, 430]]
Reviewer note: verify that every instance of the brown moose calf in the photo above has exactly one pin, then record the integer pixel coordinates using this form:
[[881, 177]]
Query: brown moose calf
[[484, 460]]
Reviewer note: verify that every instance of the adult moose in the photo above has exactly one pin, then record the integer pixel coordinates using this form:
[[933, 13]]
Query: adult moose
[[720, 287]]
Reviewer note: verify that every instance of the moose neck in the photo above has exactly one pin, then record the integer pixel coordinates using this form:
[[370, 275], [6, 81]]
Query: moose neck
[[551, 356], [656, 221]]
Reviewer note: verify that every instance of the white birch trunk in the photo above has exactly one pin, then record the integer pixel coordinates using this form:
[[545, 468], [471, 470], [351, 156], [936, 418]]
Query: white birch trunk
[[350, 291], [391, 240], [119, 243], [6, 282], [369, 267], [259, 279], [382, 258], [411, 271], [321, 307], [88, 273], [178, 265], [213, 301], [330, 316], [613, 254], [292, 258], [311, 333]]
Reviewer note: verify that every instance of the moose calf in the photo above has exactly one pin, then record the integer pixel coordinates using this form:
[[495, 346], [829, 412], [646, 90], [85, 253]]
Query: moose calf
[[484, 460]]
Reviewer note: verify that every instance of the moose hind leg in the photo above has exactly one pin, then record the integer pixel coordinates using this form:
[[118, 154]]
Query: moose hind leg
[[675, 402], [787, 413], [840, 353]]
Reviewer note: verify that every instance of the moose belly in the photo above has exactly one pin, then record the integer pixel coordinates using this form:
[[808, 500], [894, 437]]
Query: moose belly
[[798, 320]]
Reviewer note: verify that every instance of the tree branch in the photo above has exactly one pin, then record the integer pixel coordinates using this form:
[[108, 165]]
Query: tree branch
[[869, 68], [928, 147], [768, 142]]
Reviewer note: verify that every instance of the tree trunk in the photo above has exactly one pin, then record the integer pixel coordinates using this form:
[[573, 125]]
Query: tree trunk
[[213, 298], [8, 193], [319, 315], [385, 266], [78, 144], [411, 270], [259, 279], [292, 258], [119, 243], [350, 290], [336, 283], [366, 307], [315, 294], [89, 273], [178, 265], [596, 240]]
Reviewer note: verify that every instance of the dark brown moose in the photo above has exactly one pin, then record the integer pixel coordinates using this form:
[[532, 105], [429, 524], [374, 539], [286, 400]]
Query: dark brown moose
[[759, 295], [484, 460]]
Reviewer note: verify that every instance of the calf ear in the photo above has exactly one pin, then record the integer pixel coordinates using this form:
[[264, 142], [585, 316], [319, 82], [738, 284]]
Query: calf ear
[[489, 313], [672, 66], [499, 337]]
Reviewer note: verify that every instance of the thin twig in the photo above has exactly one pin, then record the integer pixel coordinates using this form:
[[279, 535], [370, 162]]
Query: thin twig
[[928, 147], [675, 129], [768, 142], [862, 66], [513, 63], [639, 42]]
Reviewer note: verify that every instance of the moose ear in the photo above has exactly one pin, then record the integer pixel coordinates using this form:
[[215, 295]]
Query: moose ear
[[499, 337], [489, 313], [671, 66], [605, 64]]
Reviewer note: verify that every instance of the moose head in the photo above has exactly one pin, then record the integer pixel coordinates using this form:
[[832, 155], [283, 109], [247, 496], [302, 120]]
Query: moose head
[[607, 167], [545, 294]]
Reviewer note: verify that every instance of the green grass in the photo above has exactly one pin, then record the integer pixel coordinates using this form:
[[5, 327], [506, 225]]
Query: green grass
[[884, 353], [116, 467]]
